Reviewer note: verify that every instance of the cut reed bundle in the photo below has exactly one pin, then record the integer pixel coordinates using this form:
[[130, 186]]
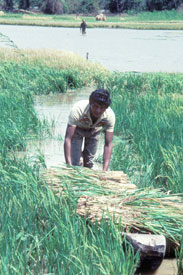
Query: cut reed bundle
[[86, 181], [102, 197], [98, 207], [139, 211]]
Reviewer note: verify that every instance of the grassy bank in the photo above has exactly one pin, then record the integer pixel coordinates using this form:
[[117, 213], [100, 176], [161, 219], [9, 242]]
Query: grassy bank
[[146, 20], [42, 233], [44, 71]]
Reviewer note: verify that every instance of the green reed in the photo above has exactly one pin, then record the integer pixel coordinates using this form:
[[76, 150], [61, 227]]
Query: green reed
[[149, 110], [42, 233], [47, 71], [17, 117], [165, 15], [39, 79]]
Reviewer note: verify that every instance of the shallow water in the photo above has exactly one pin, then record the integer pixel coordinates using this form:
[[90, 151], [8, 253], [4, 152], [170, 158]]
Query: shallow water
[[55, 108], [167, 267], [116, 49]]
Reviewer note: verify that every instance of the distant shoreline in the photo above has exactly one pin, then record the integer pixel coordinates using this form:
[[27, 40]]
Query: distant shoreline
[[165, 20]]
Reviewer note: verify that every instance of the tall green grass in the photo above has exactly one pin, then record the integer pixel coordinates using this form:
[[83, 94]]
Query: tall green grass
[[17, 116], [149, 111], [166, 15], [42, 233], [44, 72]]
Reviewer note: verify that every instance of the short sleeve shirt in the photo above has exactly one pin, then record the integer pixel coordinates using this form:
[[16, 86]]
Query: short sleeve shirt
[[80, 117]]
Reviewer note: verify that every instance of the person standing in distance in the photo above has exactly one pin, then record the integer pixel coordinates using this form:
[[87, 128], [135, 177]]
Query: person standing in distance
[[85, 123], [83, 27]]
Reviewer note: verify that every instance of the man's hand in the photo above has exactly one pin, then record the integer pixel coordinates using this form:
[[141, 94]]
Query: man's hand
[[67, 143], [107, 150]]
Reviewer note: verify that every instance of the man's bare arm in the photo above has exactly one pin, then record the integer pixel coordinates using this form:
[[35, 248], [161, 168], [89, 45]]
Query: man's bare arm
[[67, 143], [107, 150]]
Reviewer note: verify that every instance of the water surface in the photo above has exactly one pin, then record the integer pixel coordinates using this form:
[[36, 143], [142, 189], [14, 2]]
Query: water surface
[[116, 49]]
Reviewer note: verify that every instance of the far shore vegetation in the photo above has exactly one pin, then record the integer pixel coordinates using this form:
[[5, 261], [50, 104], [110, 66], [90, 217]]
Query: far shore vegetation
[[166, 19]]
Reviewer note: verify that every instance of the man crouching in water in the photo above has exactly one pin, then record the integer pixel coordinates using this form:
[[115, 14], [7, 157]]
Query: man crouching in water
[[86, 120]]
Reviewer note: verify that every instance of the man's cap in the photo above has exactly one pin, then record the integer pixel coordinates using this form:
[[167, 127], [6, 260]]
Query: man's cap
[[101, 96]]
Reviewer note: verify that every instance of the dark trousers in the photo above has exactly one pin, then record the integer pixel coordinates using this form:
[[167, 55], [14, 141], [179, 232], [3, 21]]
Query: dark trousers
[[84, 144]]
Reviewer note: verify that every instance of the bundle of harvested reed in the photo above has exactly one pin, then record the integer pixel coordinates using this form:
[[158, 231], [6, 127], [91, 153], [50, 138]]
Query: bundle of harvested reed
[[136, 210], [141, 211], [86, 180], [98, 207]]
